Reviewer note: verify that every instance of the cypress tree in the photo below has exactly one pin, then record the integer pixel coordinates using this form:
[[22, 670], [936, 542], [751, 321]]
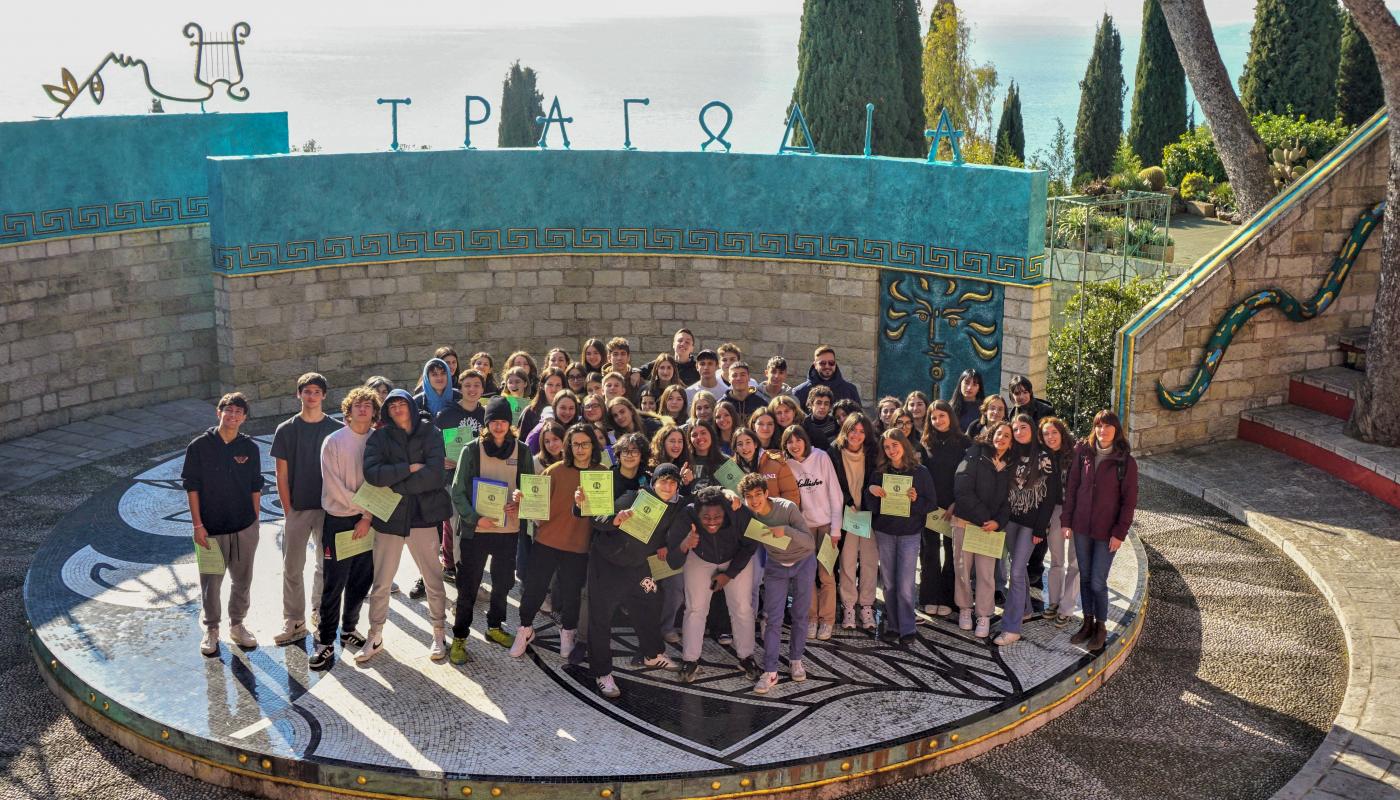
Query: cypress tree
[[1159, 92], [521, 103], [1100, 123], [909, 140], [1011, 130], [846, 57], [1294, 50], [1359, 91]]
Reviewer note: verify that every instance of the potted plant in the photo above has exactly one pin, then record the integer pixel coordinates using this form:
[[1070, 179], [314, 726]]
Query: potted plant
[[1150, 242], [1195, 191]]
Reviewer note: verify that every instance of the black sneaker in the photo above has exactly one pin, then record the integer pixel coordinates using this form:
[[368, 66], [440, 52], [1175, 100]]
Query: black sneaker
[[889, 637], [323, 658], [419, 591], [750, 668], [688, 670], [352, 639], [905, 641], [449, 575]]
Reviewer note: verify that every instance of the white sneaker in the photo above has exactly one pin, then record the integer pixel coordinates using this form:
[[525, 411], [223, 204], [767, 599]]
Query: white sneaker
[[812, 630], [1004, 638], [672, 637], [765, 682], [393, 588], [867, 618], [965, 619], [848, 618], [943, 611], [209, 645], [292, 630], [439, 649], [931, 609], [607, 687], [659, 661], [823, 631], [546, 607], [240, 636], [523, 636], [372, 648], [984, 627], [797, 671], [566, 641]]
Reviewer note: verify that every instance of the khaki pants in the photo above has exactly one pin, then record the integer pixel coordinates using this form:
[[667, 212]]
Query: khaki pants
[[964, 565], [824, 599], [863, 548], [238, 549], [738, 594], [423, 546], [300, 527]]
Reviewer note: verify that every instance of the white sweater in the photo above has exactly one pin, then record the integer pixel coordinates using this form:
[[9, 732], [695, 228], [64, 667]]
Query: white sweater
[[821, 492], [343, 471]]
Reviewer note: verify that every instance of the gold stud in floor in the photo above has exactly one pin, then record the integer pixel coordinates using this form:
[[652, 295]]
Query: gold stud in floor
[[165, 734], [466, 791], [243, 758], [845, 766], [495, 791], [362, 780], [605, 793], [1023, 709], [953, 738], [714, 784], [266, 763], [745, 782]]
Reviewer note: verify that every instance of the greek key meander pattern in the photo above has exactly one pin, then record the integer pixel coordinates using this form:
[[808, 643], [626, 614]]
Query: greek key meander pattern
[[24, 226], [476, 243]]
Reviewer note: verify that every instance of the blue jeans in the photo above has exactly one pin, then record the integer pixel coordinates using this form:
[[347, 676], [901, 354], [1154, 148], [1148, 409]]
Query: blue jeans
[[899, 558], [1094, 561], [760, 561], [801, 578], [1018, 600]]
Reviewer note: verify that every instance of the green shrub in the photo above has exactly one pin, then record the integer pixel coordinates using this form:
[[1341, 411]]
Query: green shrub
[[1195, 186], [1154, 177], [1193, 152], [1076, 223], [1223, 196], [1127, 181], [1124, 159], [1082, 352]]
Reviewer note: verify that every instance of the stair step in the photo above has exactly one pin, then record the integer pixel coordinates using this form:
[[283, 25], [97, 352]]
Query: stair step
[[1316, 438], [1355, 339], [1330, 390]]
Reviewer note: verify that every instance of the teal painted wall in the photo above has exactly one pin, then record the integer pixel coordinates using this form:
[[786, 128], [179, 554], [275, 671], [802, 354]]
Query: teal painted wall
[[933, 328], [95, 175], [282, 212]]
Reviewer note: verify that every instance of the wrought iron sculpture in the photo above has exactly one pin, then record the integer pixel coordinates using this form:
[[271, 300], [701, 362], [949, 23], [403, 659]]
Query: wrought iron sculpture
[[216, 61], [1292, 308]]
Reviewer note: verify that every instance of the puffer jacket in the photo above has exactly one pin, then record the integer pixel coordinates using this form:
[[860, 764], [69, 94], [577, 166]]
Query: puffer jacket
[[389, 454]]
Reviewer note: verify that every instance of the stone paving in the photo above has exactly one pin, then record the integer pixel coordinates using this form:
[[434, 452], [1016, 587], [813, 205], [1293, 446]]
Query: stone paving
[[1349, 544], [1206, 707]]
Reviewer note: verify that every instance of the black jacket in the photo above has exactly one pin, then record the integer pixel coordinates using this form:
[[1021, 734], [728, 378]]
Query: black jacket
[[1037, 409], [226, 476], [752, 402], [841, 388], [1034, 486], [981, 490], [942, 463], [621, 549], [388, 455], [822, 432], [913, 524], [726, 544]]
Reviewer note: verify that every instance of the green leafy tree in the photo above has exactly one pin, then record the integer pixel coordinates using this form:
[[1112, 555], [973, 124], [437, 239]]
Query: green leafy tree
[[1100, 120], [954, 82], [1080, 380], [847, 56], [1359, 91], [1057, 161], [521, 104], [1011, 129], [1294, 50], [908, 140], [1159, 89]]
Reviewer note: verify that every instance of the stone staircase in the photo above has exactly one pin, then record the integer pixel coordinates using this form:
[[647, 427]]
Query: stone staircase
[[1310, 428]]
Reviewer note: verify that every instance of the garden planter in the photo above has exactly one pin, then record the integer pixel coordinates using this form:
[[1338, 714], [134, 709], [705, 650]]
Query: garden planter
[[1156, 252], [1200, 209]]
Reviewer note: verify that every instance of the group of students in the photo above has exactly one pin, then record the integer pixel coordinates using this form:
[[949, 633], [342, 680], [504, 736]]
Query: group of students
[[730, 497]]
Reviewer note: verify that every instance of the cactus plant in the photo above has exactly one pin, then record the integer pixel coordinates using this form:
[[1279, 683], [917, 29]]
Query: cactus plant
[[1154, 177], [1286, 167]]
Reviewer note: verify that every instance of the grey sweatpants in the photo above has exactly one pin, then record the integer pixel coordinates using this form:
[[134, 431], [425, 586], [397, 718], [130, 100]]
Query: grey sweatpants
[[423, 544], [238, 549], [299, 528], [738, 595]]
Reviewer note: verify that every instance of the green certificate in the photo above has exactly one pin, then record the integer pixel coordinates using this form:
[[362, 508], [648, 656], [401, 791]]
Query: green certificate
[[379, 501], [895, 503], [660, 570], [347, 546], [985, 543], [646, 515], [489, 498], [856, 522], [534, 500], [517, 407], [210, 559], [454, 439], [826, 554], [729, 474], [766, 536], [597, 492], [936, 523]]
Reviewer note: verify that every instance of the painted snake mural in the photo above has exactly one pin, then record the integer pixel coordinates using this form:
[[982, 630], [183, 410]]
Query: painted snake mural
[[1292, 308]]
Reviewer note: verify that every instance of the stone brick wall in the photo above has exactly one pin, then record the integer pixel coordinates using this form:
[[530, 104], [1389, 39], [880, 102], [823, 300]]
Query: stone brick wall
[[1293, 253], [1025, 343], [351, 322], [95, 324]]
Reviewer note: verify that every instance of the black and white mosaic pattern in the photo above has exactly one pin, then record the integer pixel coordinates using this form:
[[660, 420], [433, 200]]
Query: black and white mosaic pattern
[[114, 596]]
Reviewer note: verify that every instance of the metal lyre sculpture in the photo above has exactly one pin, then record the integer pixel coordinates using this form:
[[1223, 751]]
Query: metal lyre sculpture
[[216, 61]]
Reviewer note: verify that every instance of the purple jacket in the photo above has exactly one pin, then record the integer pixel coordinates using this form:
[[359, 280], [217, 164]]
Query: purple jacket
[[1096, 503]]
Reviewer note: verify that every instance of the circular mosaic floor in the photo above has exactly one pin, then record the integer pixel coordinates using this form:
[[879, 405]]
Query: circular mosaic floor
[[112, 598]]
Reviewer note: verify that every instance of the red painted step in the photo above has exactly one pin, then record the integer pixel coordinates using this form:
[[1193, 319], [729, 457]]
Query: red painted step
[[1331, 391], [1316, 438]]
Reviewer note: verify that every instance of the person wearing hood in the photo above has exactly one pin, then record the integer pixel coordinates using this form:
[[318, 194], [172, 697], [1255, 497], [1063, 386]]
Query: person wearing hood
[[407, 455], [824, 372], [619, 577], [497, 455], [222, 478], [435, 392]]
